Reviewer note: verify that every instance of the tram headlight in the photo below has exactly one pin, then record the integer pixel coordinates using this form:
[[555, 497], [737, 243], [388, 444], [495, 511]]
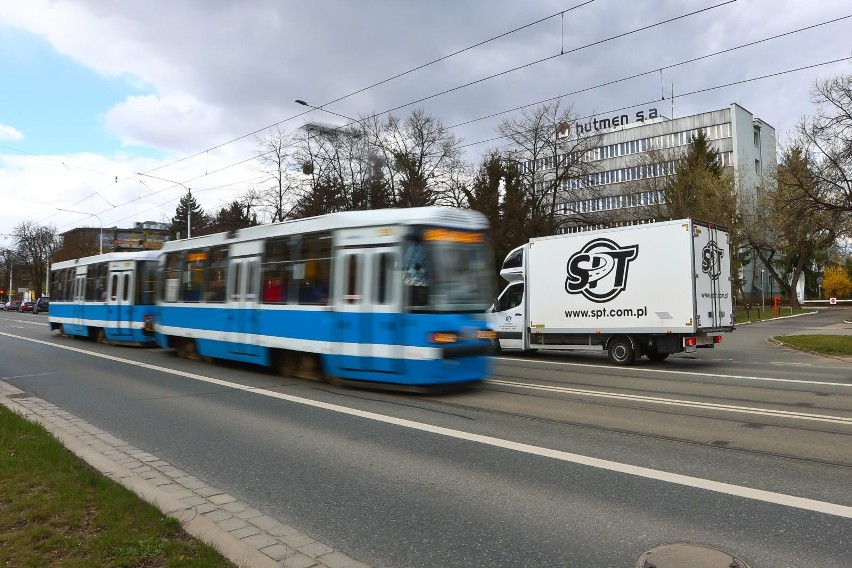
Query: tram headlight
[[443, 337], [488, 334]]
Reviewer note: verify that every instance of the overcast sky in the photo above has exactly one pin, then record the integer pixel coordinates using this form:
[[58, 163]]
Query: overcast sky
[[92, 92]]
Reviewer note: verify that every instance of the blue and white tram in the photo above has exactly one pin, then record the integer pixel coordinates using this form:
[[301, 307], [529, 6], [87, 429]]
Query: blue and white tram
[[108, 297], [392, 296]]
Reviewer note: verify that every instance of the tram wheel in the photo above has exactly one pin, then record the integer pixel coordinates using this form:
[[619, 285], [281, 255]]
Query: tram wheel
[[186, 349], [286, 363]]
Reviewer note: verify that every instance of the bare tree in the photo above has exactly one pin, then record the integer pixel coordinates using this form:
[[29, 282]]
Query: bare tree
[[784, 230], [275, 197], [827, 138], [421, 157], [553, 162], [34, 247], [343, 169]]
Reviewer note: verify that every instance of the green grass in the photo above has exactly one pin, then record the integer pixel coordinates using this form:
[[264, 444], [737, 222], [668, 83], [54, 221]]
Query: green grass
[[57, 511], [826, 344], [755, 313]]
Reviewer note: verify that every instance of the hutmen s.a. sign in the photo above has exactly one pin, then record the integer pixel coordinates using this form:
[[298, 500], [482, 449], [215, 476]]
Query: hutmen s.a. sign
[[597, 124]]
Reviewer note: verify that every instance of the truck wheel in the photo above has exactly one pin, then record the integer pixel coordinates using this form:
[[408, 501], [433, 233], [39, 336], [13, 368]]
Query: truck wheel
[[621, 351]]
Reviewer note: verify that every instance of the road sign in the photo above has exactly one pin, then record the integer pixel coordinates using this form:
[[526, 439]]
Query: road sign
[[819, 280], [832, 301]]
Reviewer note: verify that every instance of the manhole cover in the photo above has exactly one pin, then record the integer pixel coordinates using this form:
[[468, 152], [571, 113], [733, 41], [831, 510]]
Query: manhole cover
[[685, 555]]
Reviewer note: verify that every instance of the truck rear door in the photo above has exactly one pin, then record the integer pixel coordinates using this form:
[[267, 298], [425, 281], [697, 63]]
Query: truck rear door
[[713, 286]]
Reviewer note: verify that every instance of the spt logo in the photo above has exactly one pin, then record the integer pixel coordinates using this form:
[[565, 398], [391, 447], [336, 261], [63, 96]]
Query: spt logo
[[711, 260], [599, 270]]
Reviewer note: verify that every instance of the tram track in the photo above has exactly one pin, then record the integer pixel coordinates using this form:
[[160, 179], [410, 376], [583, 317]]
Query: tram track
[[653, 436]]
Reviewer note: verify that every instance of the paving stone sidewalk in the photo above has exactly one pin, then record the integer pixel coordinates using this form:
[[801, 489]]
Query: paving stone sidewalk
[[243, 534]]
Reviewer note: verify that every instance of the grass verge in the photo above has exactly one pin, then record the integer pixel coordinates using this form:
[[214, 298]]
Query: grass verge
[[55, 510], [754, 314], [826, 344]]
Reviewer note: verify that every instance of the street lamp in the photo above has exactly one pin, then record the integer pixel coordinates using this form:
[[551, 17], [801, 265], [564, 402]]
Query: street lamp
[[101, 242], [303, 103], [762, 291], [189, 195]]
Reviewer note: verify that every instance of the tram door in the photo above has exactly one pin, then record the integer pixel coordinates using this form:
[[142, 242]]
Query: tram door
[[79, 308], [120, 302], [368, 308], [243, 286]]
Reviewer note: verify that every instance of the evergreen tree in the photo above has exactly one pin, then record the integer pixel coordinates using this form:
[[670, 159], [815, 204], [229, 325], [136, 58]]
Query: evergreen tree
[[233, 217], [188, 204], [698, 189]]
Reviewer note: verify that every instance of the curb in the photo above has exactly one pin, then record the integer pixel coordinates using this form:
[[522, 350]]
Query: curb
[[248, 538]]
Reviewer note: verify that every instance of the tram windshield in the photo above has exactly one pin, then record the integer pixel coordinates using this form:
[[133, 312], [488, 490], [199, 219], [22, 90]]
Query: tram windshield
[[446, 270]]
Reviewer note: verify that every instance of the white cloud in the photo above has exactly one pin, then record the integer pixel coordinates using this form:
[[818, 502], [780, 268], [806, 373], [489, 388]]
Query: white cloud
[[10, 133], [173, 122]]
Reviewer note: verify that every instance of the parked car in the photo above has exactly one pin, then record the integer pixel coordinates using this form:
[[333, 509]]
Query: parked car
[[41, 305], [13, 305], [26, 306]]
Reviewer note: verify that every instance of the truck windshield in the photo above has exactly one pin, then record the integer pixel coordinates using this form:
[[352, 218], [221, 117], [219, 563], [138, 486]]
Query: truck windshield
[[448, 271]]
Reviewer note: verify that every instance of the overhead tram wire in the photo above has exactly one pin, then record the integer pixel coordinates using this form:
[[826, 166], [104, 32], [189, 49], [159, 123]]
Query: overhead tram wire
[[419, 67], [685, 62], [382, 82], [690, 93], [698, 91], [532, 63], [652, 71], [459, 87], [605, 84], [618, 36]]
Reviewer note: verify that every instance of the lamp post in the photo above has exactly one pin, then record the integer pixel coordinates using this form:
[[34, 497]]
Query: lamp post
[[189, 197], [101, 241], [762, 290]]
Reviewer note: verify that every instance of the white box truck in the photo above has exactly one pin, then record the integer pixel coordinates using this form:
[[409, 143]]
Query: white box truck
[[651, 290]]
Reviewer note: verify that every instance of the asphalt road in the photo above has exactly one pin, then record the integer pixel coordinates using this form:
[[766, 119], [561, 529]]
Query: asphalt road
[[555, 461]]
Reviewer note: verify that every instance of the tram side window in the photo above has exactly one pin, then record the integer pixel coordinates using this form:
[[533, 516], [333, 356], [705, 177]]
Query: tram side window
[[276, 270], [171, 276], [145, 291], [96, 282], [113, 288], [217, 273], [192, 277], [70, 275], [313, 275], [57, 286], [385, 270], [416, 274]]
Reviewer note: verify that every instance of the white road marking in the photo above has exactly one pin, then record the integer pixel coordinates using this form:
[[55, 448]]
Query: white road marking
[[690, 373], [678, 402], [648, 473]]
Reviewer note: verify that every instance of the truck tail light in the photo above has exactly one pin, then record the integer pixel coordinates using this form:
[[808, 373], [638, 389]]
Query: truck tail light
[[717, 339], [690, 342]]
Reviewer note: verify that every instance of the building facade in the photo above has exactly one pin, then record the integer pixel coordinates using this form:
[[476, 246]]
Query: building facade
[[88, 241]]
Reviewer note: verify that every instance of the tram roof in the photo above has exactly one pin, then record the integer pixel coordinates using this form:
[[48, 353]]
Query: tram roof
[[107, 257], [436, 216]]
